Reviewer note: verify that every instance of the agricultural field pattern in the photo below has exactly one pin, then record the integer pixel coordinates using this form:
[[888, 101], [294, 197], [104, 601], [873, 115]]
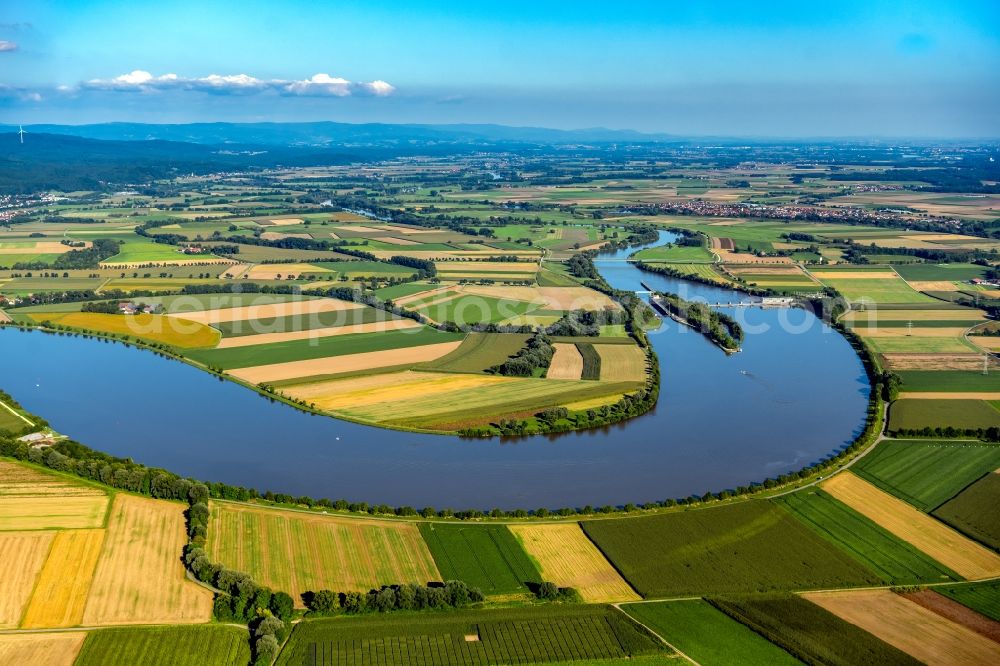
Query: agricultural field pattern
[[373, 394]]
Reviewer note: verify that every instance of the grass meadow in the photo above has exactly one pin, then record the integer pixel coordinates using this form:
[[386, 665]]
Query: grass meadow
[[810, 633], [927, 473], [303, 552], [208, 645], [708, 635], [478, 352], [301, 350], [974, 511], [917, 414], [895, 561], [483, 556], [531, 635], [741, 548]]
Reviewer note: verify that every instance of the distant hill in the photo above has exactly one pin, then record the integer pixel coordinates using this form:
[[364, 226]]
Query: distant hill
[[57, 161], [327, 134]]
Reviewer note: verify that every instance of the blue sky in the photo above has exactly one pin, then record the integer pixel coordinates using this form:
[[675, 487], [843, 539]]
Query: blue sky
[[695, 68]]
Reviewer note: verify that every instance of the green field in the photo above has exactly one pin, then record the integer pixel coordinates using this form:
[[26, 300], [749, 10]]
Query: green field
[[927, 473], [917, 414], [886, 290], [707, 635], [974, 511], [472, 309], [811, 633], [142, 251], [487, 557], [951, 272], [920, 345], [9, 421], [706, 271], [952, 381], [512, 636], [981, 597], [241, 357], [478, 352], [195, 645], [302, 322], [895, 561], [740, 548], [674, 253], [591, 361]]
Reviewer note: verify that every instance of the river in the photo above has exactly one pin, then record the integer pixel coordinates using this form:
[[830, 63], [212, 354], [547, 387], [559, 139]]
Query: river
[[796, 393]]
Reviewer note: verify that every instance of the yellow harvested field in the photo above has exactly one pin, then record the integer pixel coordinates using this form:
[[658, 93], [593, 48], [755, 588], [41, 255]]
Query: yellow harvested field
[[357, 228], [566, 363], [285, 221], [28, 512], [917, 631], [548, 298], [235, 271], [971, 361], [275, 235], [486, 266], [915, 332], [397, 241], [348, 363], [569, 559], [960, 554], [326, 332], [988, 342], [17, 480], [593, 403], [855, 275], [421, 295], [298, 552], [50, 649], [40, 247], [140, 578], [280, 271], [622, 363], [398, 386], [266, 311], [158, 328], [875, 314], [933, 285], [729, 257], [944, 395], [23, 555], [63, 586]]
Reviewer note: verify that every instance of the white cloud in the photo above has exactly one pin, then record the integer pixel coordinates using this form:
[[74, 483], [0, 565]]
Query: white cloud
[[6, 46], [319, 85]]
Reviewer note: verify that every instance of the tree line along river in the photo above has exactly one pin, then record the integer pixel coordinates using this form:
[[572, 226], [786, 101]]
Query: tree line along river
[[796, 393]]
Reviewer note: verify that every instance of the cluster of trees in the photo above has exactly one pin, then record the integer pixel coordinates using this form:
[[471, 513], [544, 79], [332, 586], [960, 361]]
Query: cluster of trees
[[452, 594], [549, 591], [585, 323], [102, 307], [857, 253], [426, 267], [535, 355], [718, 327], [991, 434]]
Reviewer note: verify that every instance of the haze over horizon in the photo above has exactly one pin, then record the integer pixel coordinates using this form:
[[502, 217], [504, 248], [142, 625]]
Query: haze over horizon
[[850, 69]]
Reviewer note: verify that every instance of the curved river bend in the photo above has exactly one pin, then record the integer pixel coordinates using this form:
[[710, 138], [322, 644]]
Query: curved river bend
[[795, 393]]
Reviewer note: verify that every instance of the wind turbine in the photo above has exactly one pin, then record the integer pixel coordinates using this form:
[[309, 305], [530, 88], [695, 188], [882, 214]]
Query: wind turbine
[[20, 131]]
